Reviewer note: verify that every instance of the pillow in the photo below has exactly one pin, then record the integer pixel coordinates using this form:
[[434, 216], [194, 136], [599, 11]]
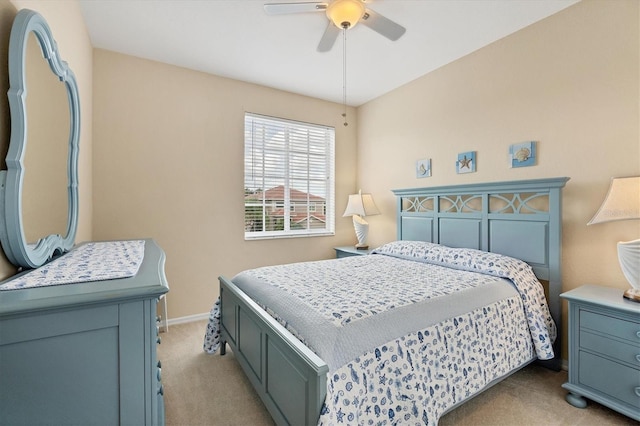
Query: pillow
[[409, 249], [459, 258]]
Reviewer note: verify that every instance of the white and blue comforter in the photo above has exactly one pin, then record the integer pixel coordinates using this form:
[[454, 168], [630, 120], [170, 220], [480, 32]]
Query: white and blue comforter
[[407, 332]]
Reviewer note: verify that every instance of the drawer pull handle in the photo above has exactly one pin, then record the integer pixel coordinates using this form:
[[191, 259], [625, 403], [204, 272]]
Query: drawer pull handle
[[637, 390], [638, 357], [638, 334]]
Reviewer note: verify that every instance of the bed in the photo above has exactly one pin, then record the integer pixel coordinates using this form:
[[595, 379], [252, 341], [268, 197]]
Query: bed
[[414, 329]]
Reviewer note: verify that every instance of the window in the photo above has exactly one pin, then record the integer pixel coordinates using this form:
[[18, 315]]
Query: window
[[288, 174]]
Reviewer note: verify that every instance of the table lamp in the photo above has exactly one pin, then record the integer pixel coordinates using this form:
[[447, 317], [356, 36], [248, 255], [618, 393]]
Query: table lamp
[[623, 203], [361, 205]]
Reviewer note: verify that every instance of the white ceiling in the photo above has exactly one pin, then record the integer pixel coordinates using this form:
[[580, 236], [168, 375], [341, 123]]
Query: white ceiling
[[237, 39]]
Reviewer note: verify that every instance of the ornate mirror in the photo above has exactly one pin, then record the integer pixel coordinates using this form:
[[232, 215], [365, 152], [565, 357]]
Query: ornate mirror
[[39, 189]]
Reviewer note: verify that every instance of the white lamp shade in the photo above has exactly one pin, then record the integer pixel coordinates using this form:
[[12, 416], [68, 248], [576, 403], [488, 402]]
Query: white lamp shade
[[622, 201], [361, 204]]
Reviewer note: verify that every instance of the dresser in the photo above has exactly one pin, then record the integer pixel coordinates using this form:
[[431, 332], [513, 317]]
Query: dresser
[[347, 251], [604, 349], [84, 353]]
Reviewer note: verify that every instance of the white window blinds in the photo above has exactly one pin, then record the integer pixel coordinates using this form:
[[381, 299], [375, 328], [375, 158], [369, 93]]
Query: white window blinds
[[288, 178]]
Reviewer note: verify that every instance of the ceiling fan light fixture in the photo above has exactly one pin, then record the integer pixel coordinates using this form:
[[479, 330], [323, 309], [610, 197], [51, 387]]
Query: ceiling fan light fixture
[[345, 13]]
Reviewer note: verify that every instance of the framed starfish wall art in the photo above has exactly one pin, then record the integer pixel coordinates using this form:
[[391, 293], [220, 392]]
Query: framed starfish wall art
[[466, 162], [423, 168], [522, 154]]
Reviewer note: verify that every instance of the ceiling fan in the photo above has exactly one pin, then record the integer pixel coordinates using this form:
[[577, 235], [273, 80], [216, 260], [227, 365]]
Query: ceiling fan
[[342, 14]]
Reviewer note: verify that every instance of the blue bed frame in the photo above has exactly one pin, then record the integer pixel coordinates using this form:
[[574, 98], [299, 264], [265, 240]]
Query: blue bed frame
[[522, 219]]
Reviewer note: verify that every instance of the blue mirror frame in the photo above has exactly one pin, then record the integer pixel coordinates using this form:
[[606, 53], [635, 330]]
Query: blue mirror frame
[[12, 235]]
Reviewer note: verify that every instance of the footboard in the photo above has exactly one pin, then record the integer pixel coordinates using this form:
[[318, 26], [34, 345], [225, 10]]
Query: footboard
[[290, 379]]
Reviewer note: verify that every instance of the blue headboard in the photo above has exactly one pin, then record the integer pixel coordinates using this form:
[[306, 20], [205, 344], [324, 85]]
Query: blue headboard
[[521, 219]]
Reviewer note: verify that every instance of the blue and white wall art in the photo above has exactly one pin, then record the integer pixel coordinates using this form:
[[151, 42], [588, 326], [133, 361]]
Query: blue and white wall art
[[466, 162], [423, 168], [523, 154]]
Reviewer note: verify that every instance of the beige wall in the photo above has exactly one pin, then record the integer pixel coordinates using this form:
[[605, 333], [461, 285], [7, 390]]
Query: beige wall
[[68, 28], [569, 82], [168, 164]]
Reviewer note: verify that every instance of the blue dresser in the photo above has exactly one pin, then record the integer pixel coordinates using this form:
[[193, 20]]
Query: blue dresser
[[604, 349], [84, 353]]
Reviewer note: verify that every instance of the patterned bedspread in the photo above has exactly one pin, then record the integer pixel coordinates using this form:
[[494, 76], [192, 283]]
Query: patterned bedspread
[[444, 324]]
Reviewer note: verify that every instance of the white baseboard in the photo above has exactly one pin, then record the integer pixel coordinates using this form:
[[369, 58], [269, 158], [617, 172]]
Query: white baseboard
[[187, 319]]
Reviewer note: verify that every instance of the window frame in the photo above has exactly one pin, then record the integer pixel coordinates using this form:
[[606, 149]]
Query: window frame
[[285, 144]]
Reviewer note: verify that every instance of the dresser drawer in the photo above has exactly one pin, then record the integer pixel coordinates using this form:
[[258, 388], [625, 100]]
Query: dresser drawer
[[613, 326], [624, 352], [613, 379]]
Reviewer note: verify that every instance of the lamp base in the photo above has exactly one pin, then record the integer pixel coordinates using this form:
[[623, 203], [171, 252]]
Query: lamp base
[[633, 294], [362, 246]]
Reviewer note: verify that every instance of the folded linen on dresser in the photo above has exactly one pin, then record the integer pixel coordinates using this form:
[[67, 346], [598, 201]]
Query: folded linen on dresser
[[95, 261]]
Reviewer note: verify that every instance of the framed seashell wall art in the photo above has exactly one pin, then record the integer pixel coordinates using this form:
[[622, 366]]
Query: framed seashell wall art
[[423, 168], [523, 154], [466, 162]]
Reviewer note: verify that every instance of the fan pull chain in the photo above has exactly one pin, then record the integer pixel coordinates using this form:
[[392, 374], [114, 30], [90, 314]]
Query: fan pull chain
[[344, 73]]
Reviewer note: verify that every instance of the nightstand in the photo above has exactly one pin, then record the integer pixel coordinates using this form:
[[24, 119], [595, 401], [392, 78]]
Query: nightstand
[[604, 349], [346, 251]]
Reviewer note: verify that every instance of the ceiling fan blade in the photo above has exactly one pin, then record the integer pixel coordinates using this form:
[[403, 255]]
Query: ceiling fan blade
[[302, 7], [328, 38], [382, 25]]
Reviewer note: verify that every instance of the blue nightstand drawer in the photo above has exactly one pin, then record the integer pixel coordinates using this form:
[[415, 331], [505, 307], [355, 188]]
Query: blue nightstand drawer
[[341, 254], [610, 378], [609, 325], [620, 351]]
